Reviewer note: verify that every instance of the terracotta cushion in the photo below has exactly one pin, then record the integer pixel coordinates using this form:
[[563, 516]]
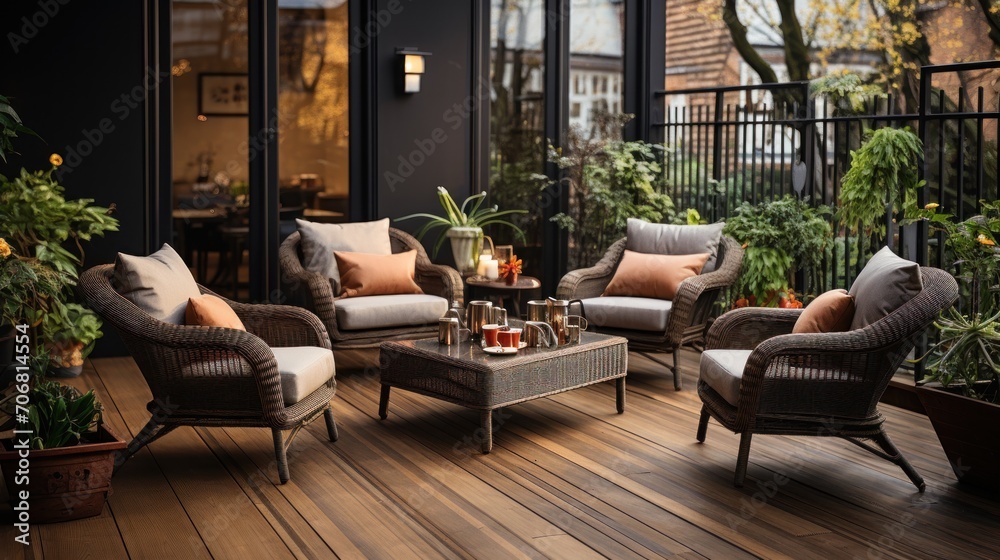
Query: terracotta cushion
[[653, 276], [364, 274], [831, 311], [211, 311]]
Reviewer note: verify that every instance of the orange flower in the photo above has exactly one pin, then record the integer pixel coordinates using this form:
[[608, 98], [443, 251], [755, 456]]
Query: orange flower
[[511, 267], [985, 240], [56, 160], [4, 248], [932, 206]]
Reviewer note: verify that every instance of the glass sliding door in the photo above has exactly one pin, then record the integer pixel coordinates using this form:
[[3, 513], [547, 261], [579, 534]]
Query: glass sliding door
[[210, 168], [313, 111]]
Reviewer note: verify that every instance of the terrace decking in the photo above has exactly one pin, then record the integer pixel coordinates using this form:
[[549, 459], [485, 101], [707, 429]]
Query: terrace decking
[[567, 478]]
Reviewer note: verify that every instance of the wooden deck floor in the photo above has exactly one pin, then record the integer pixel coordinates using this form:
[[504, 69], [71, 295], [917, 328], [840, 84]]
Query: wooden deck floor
[[568, 478]]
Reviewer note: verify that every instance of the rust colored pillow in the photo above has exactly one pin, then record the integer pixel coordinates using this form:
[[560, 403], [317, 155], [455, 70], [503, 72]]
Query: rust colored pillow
[[830, 312], [207, 310], [653, 276], [366, 274]]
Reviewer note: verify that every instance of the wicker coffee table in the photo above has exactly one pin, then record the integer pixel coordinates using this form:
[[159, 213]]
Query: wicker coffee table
[[467, 376]]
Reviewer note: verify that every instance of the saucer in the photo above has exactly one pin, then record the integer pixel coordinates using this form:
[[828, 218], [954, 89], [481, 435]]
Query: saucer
[[500, 350], [520, 345]]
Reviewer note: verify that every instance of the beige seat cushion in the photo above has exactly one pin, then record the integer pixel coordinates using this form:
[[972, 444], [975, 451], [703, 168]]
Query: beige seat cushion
[[884, 284], [634, 313], [722, 370], [319, 241], [670, 239], [160, 284], [380, 312], [303, 369]]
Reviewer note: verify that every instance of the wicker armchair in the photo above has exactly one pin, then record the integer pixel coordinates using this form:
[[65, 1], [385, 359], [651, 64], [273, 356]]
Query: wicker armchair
[[690, 309], [825, 384], [313, 291], [207, 376]]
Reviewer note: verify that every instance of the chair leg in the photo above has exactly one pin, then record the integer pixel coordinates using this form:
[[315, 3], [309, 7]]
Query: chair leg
[[742, 459], [331, 424], [279, 453], [677, 371], [703, 424], [896, 457], [152, 431]]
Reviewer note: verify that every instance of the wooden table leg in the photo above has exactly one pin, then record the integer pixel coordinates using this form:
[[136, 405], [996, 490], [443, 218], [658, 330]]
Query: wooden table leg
[[486, 422], [620, 394], [383, 402]]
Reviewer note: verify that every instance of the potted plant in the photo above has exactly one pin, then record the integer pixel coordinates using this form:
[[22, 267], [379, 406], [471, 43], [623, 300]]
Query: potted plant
[[71, 330], [962, 388], [464, 229], [72, 452], [779, 237]]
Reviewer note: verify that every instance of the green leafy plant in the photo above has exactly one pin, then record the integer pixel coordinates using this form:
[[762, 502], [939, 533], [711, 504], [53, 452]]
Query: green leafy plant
[[71, 330], [882, 178], [28, 287], [10, 127], [610, 181], [968, 347], [471, 214], [779, 237], [59, 415], [847, 91]]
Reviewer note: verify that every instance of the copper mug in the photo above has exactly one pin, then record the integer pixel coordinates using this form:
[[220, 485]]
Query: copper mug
[[477, 314], [450, 331], [558, 310]]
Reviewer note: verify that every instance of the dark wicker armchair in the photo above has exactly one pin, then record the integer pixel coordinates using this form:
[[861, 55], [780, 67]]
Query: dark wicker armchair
[[689, 310], [208, 376], [826, 384], [313, 291]]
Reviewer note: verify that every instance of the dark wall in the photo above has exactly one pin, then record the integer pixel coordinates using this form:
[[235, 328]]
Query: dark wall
[[425, 139], [72, 71]]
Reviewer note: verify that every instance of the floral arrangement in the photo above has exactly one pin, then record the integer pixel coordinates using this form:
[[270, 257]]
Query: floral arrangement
[[511, 269]]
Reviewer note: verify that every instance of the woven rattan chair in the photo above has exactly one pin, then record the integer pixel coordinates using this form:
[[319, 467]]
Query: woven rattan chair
[[207, 376], [690, 309], [825, 384], [313, 291]]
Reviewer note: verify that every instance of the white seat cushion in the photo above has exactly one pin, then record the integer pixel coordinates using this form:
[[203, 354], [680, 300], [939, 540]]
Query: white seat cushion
[[634, 313], [303, 369], [380, 312], [722, 370]]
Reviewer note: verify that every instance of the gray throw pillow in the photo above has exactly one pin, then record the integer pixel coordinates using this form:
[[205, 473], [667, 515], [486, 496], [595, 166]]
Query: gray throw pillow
[[159, 284], [319, 241], [885, 283], [670, 239]]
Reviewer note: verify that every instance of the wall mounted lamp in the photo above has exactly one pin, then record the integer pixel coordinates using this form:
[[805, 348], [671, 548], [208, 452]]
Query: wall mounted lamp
[[413, 67]]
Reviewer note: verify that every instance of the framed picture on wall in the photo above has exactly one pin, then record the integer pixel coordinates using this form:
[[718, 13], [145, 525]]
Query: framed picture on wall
[[223, 94]]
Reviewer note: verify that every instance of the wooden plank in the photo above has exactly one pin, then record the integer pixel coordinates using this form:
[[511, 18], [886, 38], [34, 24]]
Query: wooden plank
[[94, 537], [227, 521]]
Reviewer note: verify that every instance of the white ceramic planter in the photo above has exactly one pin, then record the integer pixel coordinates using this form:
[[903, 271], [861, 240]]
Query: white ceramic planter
[[465, 248]]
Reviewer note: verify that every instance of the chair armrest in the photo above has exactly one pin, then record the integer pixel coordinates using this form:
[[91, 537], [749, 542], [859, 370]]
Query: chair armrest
[[702, 290], [440, 280], [315, 287], [591, 282], [282, 325], [746, 328]]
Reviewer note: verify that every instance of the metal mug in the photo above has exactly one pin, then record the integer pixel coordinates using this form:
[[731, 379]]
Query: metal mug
[[539, 333], [499, 315], [449, 330], [558, 310], [538, 310], [477, 314], [572, 334]]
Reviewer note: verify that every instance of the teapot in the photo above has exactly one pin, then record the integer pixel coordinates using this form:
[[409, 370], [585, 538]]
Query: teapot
[[558, 310]]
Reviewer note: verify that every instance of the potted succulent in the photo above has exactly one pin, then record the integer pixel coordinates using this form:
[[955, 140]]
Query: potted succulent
[[779, 237], [463, 225], [961, 394], [72, 452]]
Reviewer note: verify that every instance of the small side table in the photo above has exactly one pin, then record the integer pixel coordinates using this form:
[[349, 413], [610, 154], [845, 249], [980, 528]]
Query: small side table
[[480, 287]]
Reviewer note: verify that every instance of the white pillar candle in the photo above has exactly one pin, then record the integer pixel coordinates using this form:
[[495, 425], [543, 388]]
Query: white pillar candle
[[483, 263], [493, 269]]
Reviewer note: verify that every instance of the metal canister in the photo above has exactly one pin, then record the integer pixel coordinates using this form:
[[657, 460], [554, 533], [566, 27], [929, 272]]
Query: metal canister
[[448, 330], [538, 310]]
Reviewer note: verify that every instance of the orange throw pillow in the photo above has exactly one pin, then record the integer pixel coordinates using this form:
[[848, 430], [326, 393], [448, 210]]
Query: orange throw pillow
[[830, 312], [653, 276], [365, 274], [207, 310]]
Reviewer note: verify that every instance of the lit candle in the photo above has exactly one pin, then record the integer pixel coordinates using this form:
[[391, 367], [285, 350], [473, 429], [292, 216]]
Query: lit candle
[[493, 269], [483, 264]]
